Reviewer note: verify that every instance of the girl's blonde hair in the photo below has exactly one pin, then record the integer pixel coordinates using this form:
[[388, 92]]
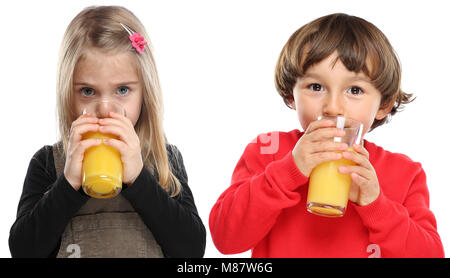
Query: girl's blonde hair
[[99, 27]]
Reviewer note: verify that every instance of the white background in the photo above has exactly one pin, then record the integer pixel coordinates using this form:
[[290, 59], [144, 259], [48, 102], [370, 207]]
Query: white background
[[216, 62]]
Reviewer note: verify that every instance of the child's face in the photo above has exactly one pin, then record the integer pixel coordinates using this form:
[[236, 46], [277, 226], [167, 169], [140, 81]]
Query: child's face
[[330, 89], [107, 76]]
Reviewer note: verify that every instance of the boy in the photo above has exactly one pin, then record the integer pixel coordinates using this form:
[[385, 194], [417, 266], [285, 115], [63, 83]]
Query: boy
[[335, 65]]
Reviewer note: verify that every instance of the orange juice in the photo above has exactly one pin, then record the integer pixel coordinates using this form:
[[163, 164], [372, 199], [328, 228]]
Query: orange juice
[[328, 188], [102, 168]]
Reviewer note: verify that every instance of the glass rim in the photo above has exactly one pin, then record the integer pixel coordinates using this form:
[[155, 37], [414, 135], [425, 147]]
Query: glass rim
[[353, 123], [93, 102]]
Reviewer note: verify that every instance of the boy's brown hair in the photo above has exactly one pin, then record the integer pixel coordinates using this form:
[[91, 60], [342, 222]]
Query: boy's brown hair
[[360, 46]]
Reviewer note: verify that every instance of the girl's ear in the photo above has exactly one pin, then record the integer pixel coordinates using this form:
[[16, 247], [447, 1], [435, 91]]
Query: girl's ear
[[384, 111]]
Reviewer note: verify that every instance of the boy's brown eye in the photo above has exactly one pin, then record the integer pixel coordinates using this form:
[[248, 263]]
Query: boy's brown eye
[[315, 87], [355, 90]]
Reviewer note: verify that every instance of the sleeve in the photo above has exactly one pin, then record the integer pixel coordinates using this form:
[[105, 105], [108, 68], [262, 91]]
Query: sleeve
[[405, 229], [43, 214], [174, 222], [261, 188]]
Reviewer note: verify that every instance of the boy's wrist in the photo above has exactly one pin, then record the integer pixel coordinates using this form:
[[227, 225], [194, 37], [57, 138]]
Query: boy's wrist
[[285, 173]]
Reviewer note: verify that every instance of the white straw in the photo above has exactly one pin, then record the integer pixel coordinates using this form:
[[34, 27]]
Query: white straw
[[339, 124]]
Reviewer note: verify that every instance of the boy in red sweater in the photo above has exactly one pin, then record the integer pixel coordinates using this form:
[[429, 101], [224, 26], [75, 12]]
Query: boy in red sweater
[[335, 65]]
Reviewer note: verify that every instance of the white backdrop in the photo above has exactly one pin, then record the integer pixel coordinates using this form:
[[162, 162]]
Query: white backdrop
[[216, 62]]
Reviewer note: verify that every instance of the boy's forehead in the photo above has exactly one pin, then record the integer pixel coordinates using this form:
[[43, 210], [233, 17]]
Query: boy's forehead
[[335, 62]]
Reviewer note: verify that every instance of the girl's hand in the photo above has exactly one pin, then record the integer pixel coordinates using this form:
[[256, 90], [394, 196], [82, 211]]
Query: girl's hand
[[77, 147], [365, 187], [317, 146], [128, 145]]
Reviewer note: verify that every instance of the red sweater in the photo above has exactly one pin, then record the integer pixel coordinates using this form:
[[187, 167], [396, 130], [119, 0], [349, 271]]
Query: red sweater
[[264, 209]]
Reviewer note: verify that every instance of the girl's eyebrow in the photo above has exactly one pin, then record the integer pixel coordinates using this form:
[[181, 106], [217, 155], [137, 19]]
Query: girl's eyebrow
[[117, 84]]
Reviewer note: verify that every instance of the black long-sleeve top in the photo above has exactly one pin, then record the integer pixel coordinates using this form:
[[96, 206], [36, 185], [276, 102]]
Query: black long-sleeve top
[[48, 203]]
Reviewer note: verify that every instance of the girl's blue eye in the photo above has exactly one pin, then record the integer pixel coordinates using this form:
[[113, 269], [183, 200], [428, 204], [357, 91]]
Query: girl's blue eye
[[355, 91], [86, 91], [123, 90], [316, 87]]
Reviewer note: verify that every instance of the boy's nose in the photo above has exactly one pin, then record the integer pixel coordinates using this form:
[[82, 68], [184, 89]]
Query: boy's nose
[[333, 105]]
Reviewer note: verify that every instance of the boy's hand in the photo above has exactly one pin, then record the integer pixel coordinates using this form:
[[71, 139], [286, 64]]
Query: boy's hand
[[317, 146], [365, 187]]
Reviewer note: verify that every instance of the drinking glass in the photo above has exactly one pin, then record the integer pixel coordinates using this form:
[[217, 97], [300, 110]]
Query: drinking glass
[[102, 169], [329, 189]]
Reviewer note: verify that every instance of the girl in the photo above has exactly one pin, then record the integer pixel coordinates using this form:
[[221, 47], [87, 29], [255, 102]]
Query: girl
[[104, 55]]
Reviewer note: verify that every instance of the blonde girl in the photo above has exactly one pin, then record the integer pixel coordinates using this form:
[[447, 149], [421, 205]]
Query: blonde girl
[[106, 55]]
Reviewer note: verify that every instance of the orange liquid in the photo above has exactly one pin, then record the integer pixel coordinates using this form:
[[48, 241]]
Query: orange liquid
[[328, 189], [102, 168]]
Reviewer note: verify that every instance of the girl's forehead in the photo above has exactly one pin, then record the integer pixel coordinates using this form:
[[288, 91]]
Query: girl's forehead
[[99, 55], [94, 61]]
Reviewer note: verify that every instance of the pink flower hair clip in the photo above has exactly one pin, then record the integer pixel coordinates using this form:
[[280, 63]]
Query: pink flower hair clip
[[137, 40]]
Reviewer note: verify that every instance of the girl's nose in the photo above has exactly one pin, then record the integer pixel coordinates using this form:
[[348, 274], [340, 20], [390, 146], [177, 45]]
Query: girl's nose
[[333, 105], [103, 108]]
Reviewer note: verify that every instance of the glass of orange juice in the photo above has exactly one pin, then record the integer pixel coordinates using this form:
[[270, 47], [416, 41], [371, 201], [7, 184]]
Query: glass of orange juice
[[329, 189], [102, 168]]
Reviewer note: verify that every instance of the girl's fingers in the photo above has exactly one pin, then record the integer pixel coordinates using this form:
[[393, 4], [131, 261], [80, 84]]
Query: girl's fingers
[[115, 130], [122, 118], [77, 132], [117, 119], [77, 153], [86, 118], [111, 121], [117, 144]]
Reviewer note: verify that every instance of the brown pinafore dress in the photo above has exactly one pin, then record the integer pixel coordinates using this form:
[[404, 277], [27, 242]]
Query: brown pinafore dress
[[105, 228]]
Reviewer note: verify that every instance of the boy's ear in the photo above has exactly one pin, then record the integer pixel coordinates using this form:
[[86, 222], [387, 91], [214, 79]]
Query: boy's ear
[[291, 103], [384, 111]]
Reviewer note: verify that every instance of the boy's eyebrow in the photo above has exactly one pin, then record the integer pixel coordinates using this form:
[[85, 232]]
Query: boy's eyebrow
[[311, 75], [361, 78], [83, 83], [354, 78]]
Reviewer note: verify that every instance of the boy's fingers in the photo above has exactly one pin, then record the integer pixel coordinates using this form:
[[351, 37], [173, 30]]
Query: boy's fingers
[[319, 124], [327, 133], [327, 146], [363, 172], [360, 149], [359, 159], [319, 158]]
